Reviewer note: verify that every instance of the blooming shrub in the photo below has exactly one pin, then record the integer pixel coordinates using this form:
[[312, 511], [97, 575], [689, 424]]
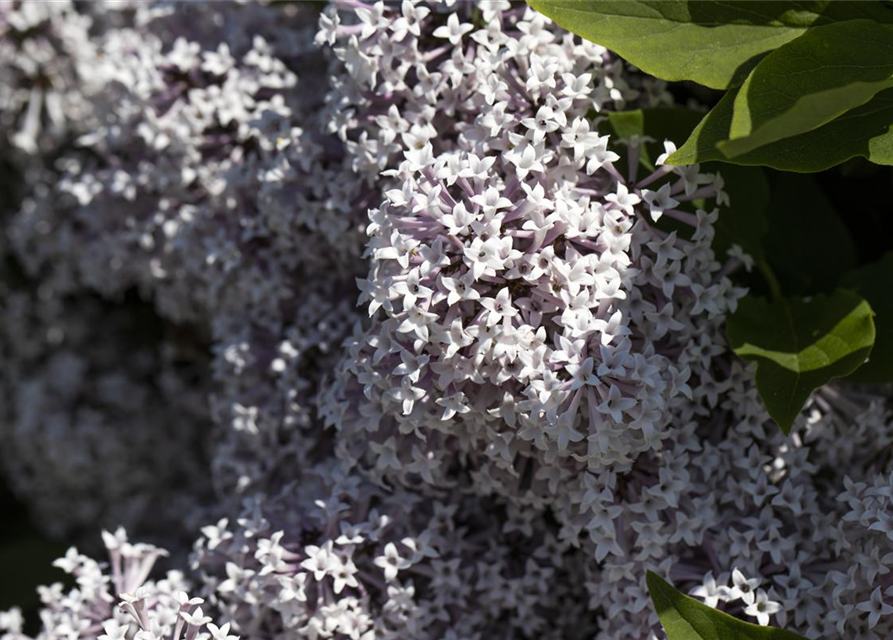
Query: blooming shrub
[[192, 128], [380, 315]]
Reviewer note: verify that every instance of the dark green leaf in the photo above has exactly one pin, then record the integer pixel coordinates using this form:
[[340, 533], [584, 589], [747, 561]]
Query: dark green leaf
[[809, 82], [659, 124], [803, 228], [712, 43], [874, 282], [664, 123], [800, 344], [744, 221], [685, 618], [865, 131], [627, 124]]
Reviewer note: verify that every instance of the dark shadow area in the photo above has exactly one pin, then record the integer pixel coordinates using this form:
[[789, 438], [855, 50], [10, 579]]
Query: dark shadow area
[[26, 558], [862, 194]]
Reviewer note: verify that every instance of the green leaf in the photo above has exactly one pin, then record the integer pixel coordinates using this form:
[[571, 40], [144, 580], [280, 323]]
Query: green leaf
[[800, 344], [865, 131], [809, 82], [743, 221], [685, 618], [873, 282], [803, 228], [713, 43], [627, 124]]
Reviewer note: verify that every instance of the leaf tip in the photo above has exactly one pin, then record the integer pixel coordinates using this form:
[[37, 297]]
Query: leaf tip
[[784, 425], [678, 160], [653, 582]]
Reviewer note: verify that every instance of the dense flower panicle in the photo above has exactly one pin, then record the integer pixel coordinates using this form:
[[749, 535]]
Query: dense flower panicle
[[545, 298], [526, 308], [331, 555], [405, 74], [534, 403]]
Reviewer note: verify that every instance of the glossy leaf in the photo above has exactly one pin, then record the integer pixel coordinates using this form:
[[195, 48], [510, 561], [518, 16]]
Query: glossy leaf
[[800, 344], [684, 618], [713, 43], [874, 282], [809, 82], [865, 131]]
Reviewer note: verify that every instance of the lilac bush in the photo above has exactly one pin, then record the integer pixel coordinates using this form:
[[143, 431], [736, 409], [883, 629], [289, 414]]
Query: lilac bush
[[367, 310]]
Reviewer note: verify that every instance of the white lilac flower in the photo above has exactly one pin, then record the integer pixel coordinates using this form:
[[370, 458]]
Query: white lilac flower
[[743, 588], [538, 408], [394, 562], [154, 608], [711, 592], [762, 607], [566, 300]]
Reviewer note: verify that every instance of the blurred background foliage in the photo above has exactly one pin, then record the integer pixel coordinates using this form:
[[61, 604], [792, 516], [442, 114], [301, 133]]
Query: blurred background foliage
[[26, 555]]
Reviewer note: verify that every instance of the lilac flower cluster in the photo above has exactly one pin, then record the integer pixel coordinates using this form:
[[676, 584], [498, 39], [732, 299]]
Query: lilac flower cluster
[[330, 555], [407, 74], [148, 610], [198, 177], [533, 404], [791, 527], [529, 316], [202, 150]]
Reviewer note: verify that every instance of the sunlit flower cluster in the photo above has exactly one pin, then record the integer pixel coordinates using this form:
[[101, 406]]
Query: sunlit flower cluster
[[115, 600], [369, 311], [408, 74], [530, 313]]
